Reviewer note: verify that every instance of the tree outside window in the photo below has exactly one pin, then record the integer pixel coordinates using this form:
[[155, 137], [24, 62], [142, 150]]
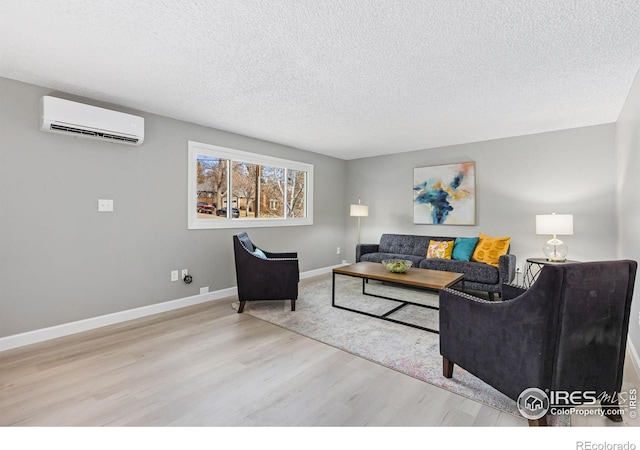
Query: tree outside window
[[227, 186]]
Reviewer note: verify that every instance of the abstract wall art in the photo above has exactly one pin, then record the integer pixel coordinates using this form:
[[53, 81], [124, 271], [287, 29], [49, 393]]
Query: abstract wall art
[[445, 195]]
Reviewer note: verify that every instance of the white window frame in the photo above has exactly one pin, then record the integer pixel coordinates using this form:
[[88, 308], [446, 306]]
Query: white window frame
[[214, 151]]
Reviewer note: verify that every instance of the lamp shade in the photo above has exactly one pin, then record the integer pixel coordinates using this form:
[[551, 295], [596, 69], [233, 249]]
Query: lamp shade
[[554, 224], [359, 211]]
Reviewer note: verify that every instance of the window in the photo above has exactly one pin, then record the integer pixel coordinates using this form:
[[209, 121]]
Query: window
[[230, 189]]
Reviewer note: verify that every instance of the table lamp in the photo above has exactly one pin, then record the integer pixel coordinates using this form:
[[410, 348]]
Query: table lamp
[[555, 224]]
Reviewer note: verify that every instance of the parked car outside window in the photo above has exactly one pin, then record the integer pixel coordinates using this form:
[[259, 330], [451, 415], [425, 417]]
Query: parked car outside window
[[235, 212], [204, 207]]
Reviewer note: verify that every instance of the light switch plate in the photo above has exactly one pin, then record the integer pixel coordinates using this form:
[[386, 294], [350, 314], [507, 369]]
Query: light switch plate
[[105, 205]]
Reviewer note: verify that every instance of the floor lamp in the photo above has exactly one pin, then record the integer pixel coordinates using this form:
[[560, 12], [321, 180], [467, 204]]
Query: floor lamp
[[359, 211]]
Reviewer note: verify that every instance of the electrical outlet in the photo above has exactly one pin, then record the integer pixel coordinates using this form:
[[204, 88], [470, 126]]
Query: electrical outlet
[[174, 275], [518, 269], [184, 273], [204, 290], [105, 205], [338, 251]]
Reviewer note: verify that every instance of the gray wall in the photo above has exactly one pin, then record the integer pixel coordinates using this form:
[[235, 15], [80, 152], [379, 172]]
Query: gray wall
[[570, 172], [589, 172], [628, 184], [62, 261]]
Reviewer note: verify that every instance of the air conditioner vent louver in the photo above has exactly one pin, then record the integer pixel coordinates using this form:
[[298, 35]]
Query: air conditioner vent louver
[[93, 133], [77, 119]]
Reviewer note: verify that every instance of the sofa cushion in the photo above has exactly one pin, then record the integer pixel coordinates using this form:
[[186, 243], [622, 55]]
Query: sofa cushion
[[463, 248], [489, 249], [379, 256], [473, 271], [440, 249]]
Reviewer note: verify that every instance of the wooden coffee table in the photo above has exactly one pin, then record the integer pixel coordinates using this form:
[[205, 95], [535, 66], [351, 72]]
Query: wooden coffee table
[[414, 277]]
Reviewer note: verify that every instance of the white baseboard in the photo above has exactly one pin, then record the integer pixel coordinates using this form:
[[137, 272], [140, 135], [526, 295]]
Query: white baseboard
[[45, 334], [321, 271]]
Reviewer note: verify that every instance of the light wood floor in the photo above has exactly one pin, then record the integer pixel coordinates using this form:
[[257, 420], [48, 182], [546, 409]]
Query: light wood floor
[[206, 365]]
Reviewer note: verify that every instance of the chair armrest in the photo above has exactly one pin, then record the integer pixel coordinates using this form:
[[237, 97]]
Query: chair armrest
[[285, 255], [362, 249], [281, 267], [264, 279], [504, 344]]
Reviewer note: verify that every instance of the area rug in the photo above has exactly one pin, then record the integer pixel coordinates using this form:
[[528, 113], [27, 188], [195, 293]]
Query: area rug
[[409, 350]]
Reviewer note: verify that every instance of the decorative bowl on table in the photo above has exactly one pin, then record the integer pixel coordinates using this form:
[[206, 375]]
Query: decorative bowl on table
[[397, 265]]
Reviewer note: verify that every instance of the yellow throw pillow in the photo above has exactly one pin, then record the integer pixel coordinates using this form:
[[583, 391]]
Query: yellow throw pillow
[[440, 249], [490, 249]]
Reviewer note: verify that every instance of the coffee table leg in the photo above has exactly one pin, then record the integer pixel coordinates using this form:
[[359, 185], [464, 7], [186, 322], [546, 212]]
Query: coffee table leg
[[378, 316], [333, 290]]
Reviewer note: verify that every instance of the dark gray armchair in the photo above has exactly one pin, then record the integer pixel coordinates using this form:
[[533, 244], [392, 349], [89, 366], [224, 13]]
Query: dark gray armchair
[[567, 332], [263, 275]]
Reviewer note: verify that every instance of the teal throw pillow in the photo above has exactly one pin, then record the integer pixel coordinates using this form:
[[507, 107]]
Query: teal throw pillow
[[463, 248], [259, 253]]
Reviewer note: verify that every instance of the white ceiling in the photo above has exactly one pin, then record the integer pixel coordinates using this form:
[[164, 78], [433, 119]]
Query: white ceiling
[[346, 78]]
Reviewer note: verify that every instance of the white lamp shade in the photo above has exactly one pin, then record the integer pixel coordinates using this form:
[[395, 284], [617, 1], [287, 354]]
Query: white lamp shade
[[359, 211], [561, 224]]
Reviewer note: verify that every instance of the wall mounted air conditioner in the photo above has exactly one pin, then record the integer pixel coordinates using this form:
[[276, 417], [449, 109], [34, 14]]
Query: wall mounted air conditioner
[[80, 120]]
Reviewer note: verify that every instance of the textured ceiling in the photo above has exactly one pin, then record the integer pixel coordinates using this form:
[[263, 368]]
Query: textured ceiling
[[344, 78]]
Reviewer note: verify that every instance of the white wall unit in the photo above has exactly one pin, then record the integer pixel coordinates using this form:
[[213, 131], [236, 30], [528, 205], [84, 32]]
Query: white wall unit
[[80, 120]]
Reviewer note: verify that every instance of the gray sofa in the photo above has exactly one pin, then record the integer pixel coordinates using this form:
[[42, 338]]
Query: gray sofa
[[477, 276]]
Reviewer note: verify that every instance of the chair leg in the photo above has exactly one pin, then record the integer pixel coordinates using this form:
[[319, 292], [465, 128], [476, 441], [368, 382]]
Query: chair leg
[[541, 422], [447, 368], [241, 307], [611, 410], [293, 304]]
